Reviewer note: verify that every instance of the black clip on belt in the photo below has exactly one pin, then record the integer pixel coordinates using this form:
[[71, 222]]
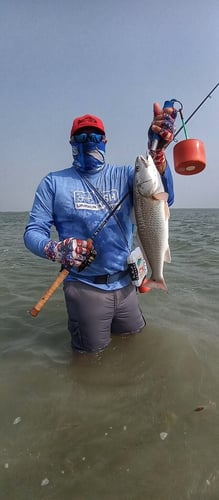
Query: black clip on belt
[[105, 279]]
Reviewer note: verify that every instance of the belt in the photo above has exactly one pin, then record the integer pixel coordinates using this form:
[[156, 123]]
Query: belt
[[105, 279]]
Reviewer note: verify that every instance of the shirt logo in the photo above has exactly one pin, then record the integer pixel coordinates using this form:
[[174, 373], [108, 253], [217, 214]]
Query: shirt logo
[[87, 201]]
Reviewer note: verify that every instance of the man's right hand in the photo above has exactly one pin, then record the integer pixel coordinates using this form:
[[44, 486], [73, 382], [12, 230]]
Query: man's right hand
[[70, 252]]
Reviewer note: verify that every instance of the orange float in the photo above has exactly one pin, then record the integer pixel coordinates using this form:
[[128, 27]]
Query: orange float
[[143, 288], [189, 157]]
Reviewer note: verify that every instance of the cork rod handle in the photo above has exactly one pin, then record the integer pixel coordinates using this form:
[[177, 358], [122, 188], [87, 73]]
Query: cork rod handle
[[53, 287]]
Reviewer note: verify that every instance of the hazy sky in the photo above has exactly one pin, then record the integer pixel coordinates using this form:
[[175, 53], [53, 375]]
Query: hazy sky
[[61, 59]]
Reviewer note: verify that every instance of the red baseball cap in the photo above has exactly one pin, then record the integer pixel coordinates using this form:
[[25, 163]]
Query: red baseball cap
[[87, 121]]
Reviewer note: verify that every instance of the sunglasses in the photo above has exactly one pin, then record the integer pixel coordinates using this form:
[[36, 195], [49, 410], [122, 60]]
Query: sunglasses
[[87, 136]]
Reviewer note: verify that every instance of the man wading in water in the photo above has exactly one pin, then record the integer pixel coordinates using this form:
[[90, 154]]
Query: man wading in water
[[100, 299]]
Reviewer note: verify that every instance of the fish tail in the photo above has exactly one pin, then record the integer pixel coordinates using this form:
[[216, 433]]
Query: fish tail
[[157, 284]]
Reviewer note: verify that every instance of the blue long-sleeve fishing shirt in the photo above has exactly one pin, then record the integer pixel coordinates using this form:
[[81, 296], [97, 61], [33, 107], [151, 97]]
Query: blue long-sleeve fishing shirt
[[64, 200]]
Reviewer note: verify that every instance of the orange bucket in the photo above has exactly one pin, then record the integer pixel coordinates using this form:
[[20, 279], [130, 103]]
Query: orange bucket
[[189, 157]]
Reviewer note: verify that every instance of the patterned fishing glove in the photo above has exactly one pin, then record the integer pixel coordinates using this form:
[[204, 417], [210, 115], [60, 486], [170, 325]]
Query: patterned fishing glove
[[163, 125], [70, 252]]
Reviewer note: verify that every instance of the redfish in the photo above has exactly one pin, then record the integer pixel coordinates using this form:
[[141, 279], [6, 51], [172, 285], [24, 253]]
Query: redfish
[[152, 219]]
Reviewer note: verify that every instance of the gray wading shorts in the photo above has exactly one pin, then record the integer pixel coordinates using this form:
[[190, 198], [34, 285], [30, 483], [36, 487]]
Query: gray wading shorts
[[94, 315]]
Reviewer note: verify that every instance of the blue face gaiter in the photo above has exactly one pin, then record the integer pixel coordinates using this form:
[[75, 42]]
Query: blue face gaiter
[[89, 157]]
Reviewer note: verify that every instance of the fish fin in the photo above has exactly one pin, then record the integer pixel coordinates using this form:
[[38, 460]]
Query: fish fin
[[166, 211], [157, 284], [137, 237], [160, 196], [133, 217], [167, 255]]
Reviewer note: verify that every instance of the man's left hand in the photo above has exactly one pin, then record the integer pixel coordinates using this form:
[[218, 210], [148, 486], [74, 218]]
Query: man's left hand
[[163, 125]]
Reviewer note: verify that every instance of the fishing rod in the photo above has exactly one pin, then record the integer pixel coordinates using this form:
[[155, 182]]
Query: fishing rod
[[182, 166], [195, 110], [189, 156], [65, 270]]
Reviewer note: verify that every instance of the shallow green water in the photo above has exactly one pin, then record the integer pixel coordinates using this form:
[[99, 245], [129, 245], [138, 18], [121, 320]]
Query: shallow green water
[[90, 427]]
